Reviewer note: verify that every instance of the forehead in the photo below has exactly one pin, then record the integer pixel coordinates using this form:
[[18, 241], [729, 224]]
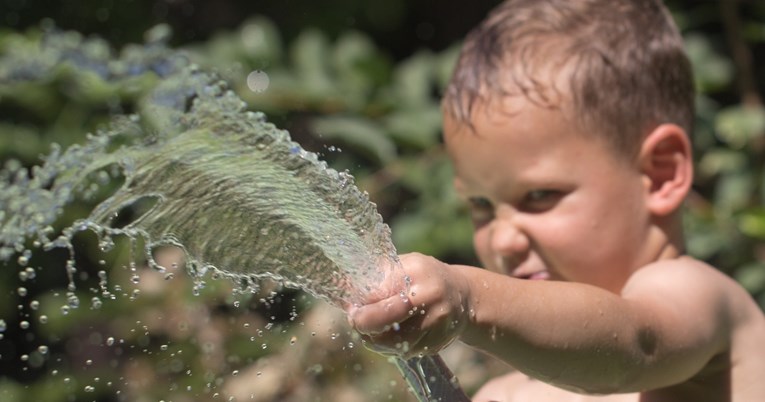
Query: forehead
[[512, 140]]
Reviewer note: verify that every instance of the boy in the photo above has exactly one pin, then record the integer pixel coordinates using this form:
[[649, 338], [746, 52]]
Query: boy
[[567, 122]]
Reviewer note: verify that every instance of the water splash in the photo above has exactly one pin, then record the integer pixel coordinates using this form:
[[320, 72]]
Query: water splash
[[229, 188]]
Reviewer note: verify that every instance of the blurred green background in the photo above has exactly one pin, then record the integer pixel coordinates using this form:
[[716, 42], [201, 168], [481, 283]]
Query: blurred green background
[[359, 83]]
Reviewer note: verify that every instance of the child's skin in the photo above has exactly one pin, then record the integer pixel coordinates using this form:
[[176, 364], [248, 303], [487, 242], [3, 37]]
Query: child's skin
[[587, 286]]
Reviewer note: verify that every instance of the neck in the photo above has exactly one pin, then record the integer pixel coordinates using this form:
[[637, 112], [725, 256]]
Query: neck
[[666, 238]]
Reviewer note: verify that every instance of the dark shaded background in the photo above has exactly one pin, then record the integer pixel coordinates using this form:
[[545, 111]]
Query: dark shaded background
[[399, 26]]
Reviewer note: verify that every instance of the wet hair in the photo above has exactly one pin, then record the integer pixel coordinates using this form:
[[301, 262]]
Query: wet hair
[[627, 69]]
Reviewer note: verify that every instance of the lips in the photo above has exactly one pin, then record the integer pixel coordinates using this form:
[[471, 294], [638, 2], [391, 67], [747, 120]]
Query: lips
[[530, 270], [535, 275]]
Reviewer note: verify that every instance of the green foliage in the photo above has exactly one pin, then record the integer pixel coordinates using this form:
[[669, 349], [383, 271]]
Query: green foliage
[[376, 117], [725, 220]]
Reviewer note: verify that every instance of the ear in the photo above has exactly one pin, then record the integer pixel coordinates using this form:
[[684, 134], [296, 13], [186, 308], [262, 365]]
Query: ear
[[667, 166]]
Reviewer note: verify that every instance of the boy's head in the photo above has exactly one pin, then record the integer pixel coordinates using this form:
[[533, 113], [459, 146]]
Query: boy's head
[[566, 124], [619, 66]]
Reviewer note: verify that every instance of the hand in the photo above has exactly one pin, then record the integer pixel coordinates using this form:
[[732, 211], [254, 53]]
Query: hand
[[422, 320]]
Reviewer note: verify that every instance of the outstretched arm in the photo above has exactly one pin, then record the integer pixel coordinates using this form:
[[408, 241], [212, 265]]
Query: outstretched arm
[[669, 321]]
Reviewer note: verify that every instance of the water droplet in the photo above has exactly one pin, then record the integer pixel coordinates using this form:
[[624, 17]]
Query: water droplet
[[24, 324], [34, 304], [235, 372], [89, 388], [96, 303], [22, 291], [258, 81], [3, 326], [31, 273], [43, 319], [293, 340], [72, 300], [106, 244], [64, 310], [43, 349], [163, 347]]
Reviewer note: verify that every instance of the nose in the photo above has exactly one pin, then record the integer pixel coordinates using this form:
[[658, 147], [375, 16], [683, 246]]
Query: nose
[[508, 240]]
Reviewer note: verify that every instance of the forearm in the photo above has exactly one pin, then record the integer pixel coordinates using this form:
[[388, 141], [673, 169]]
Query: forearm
[[572, 335]]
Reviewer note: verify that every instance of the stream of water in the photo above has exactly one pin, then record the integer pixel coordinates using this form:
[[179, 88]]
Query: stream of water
[[229, 188]]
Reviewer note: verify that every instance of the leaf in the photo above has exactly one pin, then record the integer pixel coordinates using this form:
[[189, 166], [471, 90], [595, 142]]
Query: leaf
[[260, 40], [358, 133], [413, 80], [733, 191], [721, 160], [752, 223], [752, 277], [738, 125], [309, 56], [359, 67], [712, 71], [418, 127]]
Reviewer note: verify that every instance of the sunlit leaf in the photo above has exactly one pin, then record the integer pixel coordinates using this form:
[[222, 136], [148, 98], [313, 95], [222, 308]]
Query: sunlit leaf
[[721, 160], [752, 223], [733, 191], [712, 71], [738, 125], [261, 41]]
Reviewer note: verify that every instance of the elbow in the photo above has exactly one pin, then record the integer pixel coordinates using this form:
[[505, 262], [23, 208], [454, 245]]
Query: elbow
[[620, 372]]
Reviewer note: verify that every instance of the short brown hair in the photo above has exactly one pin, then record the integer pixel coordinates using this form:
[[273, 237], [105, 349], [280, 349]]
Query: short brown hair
[[629, 69]]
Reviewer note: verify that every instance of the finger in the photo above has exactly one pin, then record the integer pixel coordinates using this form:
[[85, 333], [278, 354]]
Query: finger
[[382, 316]]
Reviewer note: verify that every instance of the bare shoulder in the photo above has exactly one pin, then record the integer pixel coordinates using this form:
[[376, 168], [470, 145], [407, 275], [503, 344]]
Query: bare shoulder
[[688, 281], [713, 312], [516, 386]]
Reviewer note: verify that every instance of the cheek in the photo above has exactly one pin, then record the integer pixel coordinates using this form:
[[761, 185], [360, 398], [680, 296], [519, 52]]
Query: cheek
[[481, 244], [567, 240]]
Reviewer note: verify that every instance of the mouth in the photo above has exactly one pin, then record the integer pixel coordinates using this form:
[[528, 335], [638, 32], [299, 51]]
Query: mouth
[[534, 276], [530, 273], [527, 270]]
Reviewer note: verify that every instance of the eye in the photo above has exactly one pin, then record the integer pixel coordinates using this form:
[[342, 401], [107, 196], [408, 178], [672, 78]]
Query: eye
[[481, 211], [541, 200]]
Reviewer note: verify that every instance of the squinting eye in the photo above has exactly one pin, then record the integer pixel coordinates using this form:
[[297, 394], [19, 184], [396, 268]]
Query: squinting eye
[[481, 211], [541, 199], [480, 203], [539, 195]]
